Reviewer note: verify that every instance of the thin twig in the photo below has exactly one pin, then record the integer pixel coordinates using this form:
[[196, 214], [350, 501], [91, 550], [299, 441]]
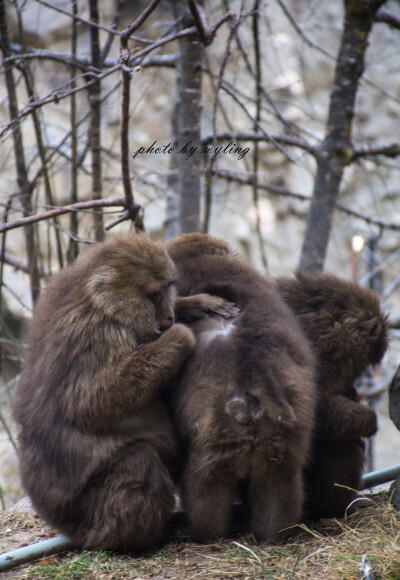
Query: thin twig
[[125, 34], [133, 211], [210, 164], [392, 150], [89, 23], [251, 136], [246, 179], [81, 62]]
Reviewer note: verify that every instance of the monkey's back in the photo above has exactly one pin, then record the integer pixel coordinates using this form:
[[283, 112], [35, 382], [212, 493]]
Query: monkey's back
[[262, 355]]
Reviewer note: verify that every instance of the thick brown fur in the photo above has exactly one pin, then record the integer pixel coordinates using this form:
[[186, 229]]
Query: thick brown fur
[[394, 398], [345, 325], [97, 446], [244, 406]]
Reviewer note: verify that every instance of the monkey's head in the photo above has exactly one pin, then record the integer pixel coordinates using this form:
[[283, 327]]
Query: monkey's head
[[195, 255], [343, 319], [131, 281], [187, 246]]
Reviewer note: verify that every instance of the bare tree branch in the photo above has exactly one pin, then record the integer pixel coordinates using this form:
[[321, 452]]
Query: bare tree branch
[[82, 62], [247, 179], [265, 137], [388, 18], [256, 124], [90, 23], [22, 174], [392, 150], [133, 210], [83, 205]]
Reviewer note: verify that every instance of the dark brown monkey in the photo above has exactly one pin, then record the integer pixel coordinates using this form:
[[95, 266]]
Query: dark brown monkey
[[345, 325], [96, 442], [244, 404], [394, 398]]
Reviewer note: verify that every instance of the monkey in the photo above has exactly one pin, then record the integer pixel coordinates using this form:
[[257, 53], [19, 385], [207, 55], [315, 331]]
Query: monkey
[[97, 447], [394, 412], [394, 398], [243, 403], [349, 332]]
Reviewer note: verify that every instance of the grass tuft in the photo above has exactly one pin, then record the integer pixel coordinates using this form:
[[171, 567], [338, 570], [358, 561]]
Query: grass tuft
[[330, 549]]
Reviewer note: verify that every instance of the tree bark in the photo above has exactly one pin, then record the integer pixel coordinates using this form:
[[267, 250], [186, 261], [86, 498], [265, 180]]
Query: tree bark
[[190, 107], [336, 151], [95, 123]]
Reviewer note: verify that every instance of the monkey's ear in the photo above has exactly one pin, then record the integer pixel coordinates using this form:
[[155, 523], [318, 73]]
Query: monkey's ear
[[98, 285]]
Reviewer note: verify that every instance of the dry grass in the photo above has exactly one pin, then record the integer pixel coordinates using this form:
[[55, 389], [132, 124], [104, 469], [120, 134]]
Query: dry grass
[[332, 549]]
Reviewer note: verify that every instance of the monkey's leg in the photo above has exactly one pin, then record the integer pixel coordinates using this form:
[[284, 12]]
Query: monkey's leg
[[208, 498], [331, 464], [128, 507], [275, 496]]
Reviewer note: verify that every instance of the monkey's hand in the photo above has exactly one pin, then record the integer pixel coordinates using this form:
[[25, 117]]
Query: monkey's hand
[[179, 334], [188, 308], [340, 419]]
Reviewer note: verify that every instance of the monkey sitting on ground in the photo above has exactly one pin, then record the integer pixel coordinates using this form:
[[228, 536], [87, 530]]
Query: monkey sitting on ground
[[394, 398], [349, 332], [244, 404], [97, 445]]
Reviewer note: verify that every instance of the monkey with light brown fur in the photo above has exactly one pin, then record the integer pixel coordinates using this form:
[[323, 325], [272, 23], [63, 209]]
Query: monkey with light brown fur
[[349, 332], [97, 446], [244, 404]]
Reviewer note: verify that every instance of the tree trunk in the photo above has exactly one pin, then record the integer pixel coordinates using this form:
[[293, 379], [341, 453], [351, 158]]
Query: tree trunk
[[336, 151], [95, 123], [189, 116]]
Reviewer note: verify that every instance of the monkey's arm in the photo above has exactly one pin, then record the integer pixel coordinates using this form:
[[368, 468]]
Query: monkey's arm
[[340, 419], [126, 381], [188, 308]]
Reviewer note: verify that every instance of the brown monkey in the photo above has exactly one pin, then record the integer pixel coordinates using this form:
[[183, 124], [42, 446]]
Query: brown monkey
[[244, 404], [394, 398], [394, 412], [97, 445], [349, 332]]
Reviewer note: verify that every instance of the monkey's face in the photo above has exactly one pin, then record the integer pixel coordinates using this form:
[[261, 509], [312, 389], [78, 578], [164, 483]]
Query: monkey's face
[[162, 296], [132, 283]]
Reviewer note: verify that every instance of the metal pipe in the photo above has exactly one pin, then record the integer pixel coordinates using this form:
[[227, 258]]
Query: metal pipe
[[38, 550], [63, 543], [380, 476]]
